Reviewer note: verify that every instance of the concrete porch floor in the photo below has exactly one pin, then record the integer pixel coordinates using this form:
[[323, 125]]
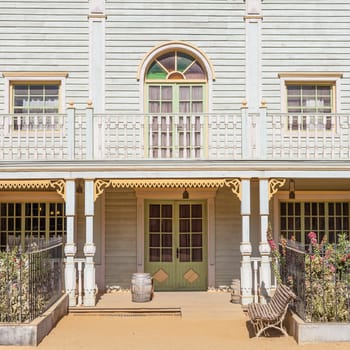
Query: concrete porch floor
[[188, 305]]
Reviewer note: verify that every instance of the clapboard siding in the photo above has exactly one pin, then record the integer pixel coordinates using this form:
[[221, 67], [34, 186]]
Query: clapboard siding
[[49, 36], [120, 237], [228, 237], [134, 28], [304, 36]]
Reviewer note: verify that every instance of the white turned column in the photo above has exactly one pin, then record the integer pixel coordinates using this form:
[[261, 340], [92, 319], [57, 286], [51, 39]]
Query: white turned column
[[70, 248], [89, 247], [264, 248], [246, 247]]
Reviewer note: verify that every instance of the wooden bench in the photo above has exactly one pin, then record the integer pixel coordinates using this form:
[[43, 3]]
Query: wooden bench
[[272, 314]]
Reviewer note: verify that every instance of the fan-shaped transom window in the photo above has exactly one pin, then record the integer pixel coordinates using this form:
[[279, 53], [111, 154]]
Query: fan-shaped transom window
[[175, 65]]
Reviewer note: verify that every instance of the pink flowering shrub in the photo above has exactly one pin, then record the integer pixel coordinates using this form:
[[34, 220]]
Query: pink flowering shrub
[[325, 281], [326, 272]]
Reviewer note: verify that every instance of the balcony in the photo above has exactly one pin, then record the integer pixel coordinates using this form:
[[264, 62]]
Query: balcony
[[241, 136]]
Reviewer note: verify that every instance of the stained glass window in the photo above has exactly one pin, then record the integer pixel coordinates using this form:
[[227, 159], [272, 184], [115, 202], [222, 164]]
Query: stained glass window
[[175, 66]]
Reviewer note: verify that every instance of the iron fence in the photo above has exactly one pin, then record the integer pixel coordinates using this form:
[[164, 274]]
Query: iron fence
[[31, 280], [320, 277]]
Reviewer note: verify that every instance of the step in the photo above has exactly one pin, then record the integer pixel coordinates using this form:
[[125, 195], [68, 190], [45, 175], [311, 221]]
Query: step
[[124, 312]]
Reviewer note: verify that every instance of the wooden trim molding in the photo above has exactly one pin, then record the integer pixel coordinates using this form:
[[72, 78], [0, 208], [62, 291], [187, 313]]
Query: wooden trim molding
[[176, 45], [101, 184], [34, 74], [305, 75], [58, 185]]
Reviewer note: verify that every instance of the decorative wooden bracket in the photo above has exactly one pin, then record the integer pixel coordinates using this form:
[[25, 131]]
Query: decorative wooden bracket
[[274, 186], [235, 185]]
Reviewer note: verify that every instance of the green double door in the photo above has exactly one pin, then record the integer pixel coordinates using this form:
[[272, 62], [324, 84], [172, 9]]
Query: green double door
[[176, 245]]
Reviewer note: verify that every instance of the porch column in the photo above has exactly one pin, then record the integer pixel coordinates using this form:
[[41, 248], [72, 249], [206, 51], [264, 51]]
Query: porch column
[[264, 248], [70, 248], [246, 247], [89, 247]]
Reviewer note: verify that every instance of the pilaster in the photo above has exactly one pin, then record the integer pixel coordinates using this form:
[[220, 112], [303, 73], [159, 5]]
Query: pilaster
[[97, 21], [253, 19]]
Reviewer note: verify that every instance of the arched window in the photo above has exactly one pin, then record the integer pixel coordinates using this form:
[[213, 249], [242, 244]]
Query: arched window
[[176, 91]]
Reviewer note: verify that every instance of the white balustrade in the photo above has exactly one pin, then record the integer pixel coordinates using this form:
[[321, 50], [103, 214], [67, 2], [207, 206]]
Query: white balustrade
[[260, 135], [257, 283], [79, 267]]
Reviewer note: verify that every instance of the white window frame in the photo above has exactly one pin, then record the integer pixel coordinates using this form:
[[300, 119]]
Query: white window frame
[[34, 77], [331, 78]]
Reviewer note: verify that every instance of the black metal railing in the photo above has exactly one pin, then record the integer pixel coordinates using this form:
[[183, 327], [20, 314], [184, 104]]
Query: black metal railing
[[31, 280], [320, 277]]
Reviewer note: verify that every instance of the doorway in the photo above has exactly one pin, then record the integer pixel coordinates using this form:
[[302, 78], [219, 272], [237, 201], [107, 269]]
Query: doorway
[[176, 244]]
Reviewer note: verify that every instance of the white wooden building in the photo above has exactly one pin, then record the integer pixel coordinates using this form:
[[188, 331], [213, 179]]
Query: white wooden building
[[166, 136]]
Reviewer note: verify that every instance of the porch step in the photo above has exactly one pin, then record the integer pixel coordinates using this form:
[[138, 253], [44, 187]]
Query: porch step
[[124, 312]]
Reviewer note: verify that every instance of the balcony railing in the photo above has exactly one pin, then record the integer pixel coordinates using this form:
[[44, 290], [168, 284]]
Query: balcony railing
[[240, 136]]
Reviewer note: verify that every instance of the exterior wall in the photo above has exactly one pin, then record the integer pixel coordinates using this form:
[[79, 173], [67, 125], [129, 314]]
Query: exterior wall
[[304, 36], [228, 237], [134, 28], [47, 37], [120, 237]]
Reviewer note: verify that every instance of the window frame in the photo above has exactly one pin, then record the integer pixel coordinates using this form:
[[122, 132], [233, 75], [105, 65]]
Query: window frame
[[33, 78], [12, 78], [332, 79], [23, 199], [305, 196]]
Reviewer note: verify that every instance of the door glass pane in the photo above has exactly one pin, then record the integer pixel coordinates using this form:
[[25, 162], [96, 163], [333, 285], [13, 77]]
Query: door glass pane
[[185, 255], [154, 225], [185, 211], [167, 255], [185, 240], [154, 210], [197, 254], [196, 240], [154, 240], [167, 211], [167, 225], [196, 225], [185, 225], [154, 254], [167, 240]]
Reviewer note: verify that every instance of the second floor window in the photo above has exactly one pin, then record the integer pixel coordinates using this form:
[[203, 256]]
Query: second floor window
[[309, 106], [32, 101]]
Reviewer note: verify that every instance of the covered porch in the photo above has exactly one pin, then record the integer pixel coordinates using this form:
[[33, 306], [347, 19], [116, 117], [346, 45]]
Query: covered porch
[[83, 276]]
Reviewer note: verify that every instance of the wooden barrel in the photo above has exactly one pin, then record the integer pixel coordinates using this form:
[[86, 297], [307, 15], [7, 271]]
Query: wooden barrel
[[141, 287]]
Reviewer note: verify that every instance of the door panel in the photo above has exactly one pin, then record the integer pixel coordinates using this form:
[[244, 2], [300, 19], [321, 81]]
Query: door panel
[[176, 245]]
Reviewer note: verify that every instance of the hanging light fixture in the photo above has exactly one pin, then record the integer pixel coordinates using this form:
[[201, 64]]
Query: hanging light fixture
[[291, 189], [185, 194]]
